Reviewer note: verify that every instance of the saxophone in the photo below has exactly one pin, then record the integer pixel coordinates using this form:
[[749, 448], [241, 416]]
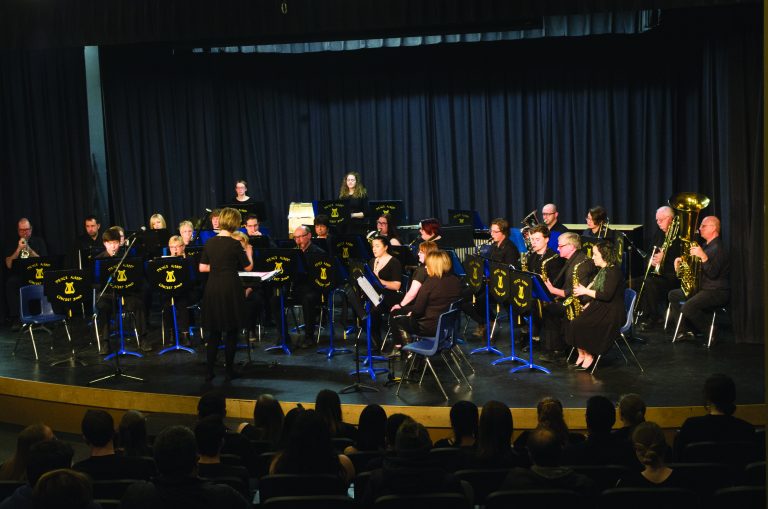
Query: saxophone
[[572, 304], [524, 261], [544, 266]]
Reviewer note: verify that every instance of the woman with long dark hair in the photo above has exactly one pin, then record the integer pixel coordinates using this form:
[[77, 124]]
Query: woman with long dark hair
[[268, 420]]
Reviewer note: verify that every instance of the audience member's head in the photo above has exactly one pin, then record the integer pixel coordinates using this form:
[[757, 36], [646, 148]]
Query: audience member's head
[[212, 403], [544, 448], [15, 469], [209, 435], [631, 409], [550, 416], [46, 456], [394, 422], [310, 450], [175, 452], [601, 415], [720, 394], [495, 431], [288, 425], [412, 440], [370, 428], [63, 489], [98, 428], [328, 407], [464, 416], [132, 433], [650, 444], [268, 417]]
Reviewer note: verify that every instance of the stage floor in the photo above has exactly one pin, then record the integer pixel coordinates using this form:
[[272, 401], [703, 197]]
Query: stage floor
[[673, 377]]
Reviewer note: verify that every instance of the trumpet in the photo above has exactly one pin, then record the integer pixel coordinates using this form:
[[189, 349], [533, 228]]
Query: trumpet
[[24, 253]]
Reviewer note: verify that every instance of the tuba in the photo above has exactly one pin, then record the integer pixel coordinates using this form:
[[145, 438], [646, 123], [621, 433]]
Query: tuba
[[688, 206], [529, 221], [669, 238]]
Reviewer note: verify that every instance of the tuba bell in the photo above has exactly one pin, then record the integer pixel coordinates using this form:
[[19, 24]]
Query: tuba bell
[[688, 206], [529, 221]]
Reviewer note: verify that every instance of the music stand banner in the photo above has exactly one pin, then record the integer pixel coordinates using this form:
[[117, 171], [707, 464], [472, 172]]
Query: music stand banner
[[32, 270], [475, 267], [168, 274], [392, 207], [128, 276], [499, 281], [67, 287], [321, 270], [336, 210], [522, 291], [285, 261]]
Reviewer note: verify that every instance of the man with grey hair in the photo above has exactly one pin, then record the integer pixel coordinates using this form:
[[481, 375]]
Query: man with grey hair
[[578, 269]]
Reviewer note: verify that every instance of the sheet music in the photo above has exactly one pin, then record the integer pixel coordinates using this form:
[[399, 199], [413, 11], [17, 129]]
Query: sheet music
[[264, 276], [369, 291]]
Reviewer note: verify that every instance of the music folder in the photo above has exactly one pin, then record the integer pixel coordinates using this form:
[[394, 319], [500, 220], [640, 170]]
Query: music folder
[[374, 296]]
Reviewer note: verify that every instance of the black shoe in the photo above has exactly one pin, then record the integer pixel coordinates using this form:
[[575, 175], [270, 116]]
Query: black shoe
[[546, 357], [307, 343], [146, 347], [685, 336]]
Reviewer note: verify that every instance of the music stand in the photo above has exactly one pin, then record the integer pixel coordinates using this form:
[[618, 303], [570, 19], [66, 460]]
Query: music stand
[[458, 217], [171, 277], [153, 241], [500, 281], [119, 280], [477, 273], [336, 210], [257, 208], [529, 286], [368, 283], [457, 236], [394, 208], [286, 263], [324, 274], [31, 271], [66, 289], [347, 247], [404, 255]]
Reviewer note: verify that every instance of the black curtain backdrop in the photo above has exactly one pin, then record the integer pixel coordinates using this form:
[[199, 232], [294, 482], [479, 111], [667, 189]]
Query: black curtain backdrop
[[622, 121]]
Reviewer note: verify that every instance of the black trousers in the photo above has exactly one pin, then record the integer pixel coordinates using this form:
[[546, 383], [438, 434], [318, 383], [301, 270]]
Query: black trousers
[[553, 321], [654, 297], [230, 347], [107, 305], [309, 298], [697, 309]]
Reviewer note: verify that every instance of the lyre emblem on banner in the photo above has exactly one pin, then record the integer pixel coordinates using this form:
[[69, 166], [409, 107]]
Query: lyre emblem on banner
[[69, 287], [39, 273], [121, 276], [279, 266], [474, 273], [500, 283], [345, 252], [323, 273], [170, 276], [334, 212], [461, 220], [520, 292]]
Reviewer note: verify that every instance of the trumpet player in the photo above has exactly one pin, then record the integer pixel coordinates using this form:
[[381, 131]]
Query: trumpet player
[[714, 289], [27, 247], [661, 278], [597, 224]]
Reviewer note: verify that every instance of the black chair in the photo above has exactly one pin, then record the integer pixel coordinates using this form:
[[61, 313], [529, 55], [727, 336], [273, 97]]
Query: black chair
[[741, 497], [263, 461], [536, 498], [735, 454], [113, 489], [604, 476], [341, 443], [423, 500], [311, 502], [484, 481], [705, 478], [232, 459], [643, 498], [235, 483], [261, 446], [289, 485], [360, 459], [447, 457], [8, 487], [754, 474], [360, 484]]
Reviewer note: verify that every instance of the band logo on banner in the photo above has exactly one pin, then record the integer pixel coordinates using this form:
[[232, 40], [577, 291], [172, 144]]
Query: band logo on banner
[[121, 280], [500, 279], [321, 279], [276, 262], [172, 279], [475, 272], [521, 291], [63, 288], [343, 247], [35, 272]]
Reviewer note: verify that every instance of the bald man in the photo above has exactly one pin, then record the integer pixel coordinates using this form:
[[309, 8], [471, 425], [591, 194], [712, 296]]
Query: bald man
[[714, 285], [653, 298]]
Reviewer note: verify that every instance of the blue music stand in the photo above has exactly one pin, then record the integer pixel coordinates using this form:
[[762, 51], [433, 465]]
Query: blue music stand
[[287, 262], [538, 291], [324, 271], [503, 295], [369, 358], [489, 348]]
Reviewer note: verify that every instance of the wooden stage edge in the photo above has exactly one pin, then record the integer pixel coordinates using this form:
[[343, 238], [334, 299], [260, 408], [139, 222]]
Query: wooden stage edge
[[62, 406]]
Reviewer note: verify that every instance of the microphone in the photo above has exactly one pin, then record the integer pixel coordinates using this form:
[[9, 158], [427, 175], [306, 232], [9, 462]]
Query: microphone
[[141, 229], [208, 210]]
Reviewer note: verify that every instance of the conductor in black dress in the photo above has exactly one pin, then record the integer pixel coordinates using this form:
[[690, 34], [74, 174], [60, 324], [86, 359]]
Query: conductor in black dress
[[594, 330], [224, 309], [353, 191]]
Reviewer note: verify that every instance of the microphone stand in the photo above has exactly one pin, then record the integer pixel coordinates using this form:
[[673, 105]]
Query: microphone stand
[[118, 373], [631, 246]]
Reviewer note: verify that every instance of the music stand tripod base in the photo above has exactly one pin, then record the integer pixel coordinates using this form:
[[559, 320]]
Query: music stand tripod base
[[529, 365], [177, 346]]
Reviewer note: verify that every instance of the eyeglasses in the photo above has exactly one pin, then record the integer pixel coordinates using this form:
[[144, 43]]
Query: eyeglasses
[[300, 236], [560, 246], [495, 231], [547, 213]]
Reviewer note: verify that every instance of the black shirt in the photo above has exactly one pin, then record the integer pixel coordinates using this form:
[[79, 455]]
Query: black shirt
[[716, 271], [505, 253]]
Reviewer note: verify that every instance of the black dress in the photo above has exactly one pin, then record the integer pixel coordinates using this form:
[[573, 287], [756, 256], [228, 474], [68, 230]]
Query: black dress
[[595, 329], [392, 271], [224, 298]]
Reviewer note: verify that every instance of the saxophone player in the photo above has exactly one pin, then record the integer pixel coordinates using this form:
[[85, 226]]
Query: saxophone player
[[541, 259], [578, 270], [714, 285], [661, 279]]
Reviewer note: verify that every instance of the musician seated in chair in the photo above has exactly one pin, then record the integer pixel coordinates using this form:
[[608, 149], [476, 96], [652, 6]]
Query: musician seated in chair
[[132, 301], [545, 262], [597, 224], [182, 301], [661, 278], [27, 247], [578, 270], [714, 289]]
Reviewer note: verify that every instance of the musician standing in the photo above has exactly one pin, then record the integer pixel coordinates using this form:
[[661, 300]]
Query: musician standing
[[241, 193], [656, 286], [714, 286], [353, 191], [578, 270]]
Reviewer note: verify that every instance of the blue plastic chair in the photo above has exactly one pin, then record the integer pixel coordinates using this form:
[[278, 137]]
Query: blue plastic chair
[[31, 317], [630, 298], [428, 347]]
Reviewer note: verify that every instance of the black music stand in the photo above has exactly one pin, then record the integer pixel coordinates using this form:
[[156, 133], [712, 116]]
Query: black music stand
[[286, 263], [31, 271], [66, 290], [257, 208], [457, 236], [502, 292], [171, 277], [336, 210], [404, 255], [153, 241], [324, 274], [459, 217], [362, 276], [529, 286], [395, 208], [346, 247], [123, 275], [477, 278]]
